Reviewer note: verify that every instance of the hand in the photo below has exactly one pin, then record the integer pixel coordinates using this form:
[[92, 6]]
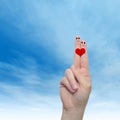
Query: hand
[[75, 87]]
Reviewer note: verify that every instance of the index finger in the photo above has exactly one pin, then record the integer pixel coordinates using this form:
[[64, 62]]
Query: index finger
[[76, 57]]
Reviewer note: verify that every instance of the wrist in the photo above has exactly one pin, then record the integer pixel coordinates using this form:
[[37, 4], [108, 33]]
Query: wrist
[[73, 114]]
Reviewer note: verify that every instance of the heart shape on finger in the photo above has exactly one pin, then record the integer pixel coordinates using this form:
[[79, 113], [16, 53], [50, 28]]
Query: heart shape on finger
[[80, 52]]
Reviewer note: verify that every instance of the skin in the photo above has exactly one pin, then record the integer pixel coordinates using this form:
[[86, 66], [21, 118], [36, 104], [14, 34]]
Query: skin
[[75, 86]]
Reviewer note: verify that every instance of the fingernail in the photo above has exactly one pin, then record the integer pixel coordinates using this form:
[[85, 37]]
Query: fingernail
[[77, 37]]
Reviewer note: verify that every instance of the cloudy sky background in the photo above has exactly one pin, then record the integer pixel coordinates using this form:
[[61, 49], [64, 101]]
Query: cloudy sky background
[[36, 46]]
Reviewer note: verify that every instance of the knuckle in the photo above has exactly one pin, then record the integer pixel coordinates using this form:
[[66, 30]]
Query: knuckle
[[72, 67], [89, 85], [77, 72], [62, 81], [67, 71]]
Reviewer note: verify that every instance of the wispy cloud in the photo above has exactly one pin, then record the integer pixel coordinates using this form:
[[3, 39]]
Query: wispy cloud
[[28, 84], [46, 30]]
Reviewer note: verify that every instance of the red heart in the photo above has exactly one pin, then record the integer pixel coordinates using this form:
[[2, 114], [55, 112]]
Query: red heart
[[79, 51]]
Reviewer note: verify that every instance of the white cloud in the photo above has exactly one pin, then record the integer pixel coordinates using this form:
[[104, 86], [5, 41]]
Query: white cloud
[[102, 110], [30, 113], [93, 112], [27, 84], [66, 19], [97, 22]]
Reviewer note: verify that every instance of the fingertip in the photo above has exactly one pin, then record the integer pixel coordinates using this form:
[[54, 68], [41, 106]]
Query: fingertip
[[67, 72], [83, 43], [77, 37], [77, 40], [73, 68], [74, 87]]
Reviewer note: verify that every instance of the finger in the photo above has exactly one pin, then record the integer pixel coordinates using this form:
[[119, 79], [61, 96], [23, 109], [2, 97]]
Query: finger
[[84, 57], [69, 75], [76, 57], [80, 78], [76, 74], [64, 82]]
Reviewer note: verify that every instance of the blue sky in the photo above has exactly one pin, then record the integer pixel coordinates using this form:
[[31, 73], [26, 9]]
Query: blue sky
[[36, 46]]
